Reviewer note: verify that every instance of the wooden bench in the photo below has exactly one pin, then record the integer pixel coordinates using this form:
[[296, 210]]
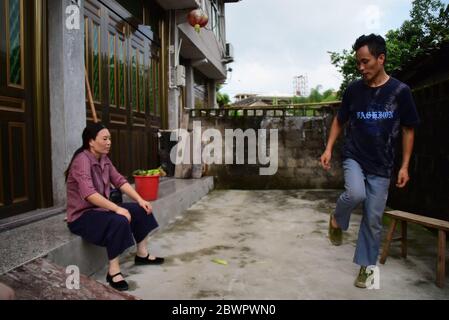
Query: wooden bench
[[404, 217]]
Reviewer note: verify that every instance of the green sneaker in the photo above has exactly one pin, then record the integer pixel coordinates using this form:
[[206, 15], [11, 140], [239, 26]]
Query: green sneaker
[[365, 278], [335, 234]]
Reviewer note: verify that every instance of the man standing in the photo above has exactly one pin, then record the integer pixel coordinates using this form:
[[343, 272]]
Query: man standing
[[376, 108]]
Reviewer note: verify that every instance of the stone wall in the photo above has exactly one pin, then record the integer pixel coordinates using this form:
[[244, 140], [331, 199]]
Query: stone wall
[[301, 140]]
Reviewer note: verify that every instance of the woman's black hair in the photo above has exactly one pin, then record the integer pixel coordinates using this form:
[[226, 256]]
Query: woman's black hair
[[89, 133]]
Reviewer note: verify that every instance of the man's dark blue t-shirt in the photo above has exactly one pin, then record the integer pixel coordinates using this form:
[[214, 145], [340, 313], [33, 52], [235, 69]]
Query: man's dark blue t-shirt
[[375, 116]]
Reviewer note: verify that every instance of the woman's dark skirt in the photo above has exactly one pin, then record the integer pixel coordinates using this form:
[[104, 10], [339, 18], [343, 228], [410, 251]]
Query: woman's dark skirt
[[113, 231]]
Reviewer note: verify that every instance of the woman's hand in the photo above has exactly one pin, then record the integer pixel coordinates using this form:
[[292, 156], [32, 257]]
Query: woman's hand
[[145, 205], [123, 212]]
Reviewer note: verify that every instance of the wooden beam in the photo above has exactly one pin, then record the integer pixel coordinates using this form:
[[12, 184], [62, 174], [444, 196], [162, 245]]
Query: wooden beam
[[441, 262], [383, 258]]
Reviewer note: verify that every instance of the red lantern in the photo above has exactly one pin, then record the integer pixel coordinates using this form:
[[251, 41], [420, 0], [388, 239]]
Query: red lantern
[[197, 19]]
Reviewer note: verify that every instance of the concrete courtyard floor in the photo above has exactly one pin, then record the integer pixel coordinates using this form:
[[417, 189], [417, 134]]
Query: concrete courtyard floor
[[276, 247]]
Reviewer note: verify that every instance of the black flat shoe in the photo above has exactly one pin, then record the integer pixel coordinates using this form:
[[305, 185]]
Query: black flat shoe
[[121, 285], [145, 261]]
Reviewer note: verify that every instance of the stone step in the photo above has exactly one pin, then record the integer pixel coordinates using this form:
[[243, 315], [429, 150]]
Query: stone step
[[42, 280]]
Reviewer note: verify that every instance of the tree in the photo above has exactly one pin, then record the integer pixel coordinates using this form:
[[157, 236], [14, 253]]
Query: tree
[[427, 29], [328, 95], [316, 96], [298, 100], [222, 98]]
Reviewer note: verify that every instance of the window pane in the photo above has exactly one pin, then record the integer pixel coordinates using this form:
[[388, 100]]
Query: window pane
[[156, 87], [151, 86], [141, 83], [112, 69], [15, 54], [121, 44], [134, 78], [96, 61]]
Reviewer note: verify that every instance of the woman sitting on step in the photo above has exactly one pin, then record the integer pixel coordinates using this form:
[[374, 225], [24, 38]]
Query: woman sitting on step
[[90, 213]]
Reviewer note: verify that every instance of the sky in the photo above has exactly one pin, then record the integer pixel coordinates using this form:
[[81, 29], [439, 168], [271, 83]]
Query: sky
[[276, 40]]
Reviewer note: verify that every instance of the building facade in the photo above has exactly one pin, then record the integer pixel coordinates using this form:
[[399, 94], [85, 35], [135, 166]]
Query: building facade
[[144, 64], [197, 59]]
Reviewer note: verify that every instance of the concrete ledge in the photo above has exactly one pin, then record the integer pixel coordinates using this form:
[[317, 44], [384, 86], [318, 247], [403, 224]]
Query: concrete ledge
[[51, 238], [29, 217]]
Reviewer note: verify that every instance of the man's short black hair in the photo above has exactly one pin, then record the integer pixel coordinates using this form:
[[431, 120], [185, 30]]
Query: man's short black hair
[[376, 44]]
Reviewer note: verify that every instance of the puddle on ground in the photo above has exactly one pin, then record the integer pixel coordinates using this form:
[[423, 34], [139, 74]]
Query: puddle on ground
[[243, 236], [187, 223], [133, 271], [194, 255], [329, 195], [132, 285], [202, 294]]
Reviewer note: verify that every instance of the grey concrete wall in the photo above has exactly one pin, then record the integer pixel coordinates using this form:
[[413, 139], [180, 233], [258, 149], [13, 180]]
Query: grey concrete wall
[[301, 141], [67, 91], [173, 90], [173, 108], [190, 94], [212, 94]]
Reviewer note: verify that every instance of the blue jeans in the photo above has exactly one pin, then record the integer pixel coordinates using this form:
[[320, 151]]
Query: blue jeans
[[372, 190]]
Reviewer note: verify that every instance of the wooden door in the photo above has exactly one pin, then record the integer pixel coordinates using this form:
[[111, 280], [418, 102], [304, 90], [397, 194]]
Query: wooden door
[[17, 164]]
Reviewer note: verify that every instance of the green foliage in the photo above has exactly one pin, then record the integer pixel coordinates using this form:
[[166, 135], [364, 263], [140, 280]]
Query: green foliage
[[222, 98], [147, 173], [427, 29], [298, 100], [315, 96], [345, 63]]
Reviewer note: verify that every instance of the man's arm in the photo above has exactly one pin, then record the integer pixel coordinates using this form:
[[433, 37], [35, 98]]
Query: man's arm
[[408, 138], [336, 129]]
